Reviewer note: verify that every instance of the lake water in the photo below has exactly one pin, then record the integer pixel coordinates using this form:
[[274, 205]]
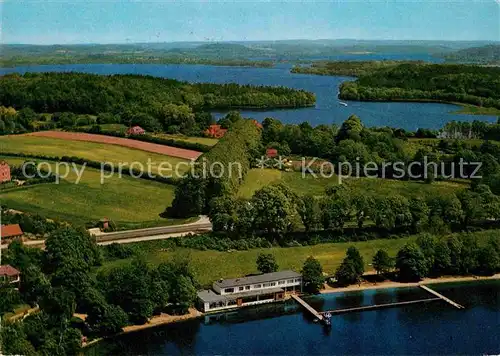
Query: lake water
[[284, 329], [410, 116]]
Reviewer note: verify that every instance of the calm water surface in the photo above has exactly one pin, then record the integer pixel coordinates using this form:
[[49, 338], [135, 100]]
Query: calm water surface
[[284, 329], [409, 116]]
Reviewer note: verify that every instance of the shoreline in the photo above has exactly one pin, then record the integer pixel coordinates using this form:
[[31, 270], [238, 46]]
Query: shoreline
[[165, 319], [391, 284], [158, 320]]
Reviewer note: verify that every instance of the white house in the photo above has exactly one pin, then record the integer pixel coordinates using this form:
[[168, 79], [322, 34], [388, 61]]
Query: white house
[[251, 290]]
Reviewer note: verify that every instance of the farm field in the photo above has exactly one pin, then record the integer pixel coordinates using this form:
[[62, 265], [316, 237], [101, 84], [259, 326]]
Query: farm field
[[192, 139], [35, 145], [131, 203], [258, 178], [119, 141]]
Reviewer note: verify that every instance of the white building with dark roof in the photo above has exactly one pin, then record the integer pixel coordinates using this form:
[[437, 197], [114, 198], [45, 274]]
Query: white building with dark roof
[[251, 290]]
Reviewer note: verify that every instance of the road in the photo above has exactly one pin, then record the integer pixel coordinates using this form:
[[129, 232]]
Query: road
[[203, 224]]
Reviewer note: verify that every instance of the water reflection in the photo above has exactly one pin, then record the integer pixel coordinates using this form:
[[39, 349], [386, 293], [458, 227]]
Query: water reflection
[[427, 328]]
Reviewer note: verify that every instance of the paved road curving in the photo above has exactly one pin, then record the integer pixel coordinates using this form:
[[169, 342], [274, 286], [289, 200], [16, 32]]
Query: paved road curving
[[203, 224]]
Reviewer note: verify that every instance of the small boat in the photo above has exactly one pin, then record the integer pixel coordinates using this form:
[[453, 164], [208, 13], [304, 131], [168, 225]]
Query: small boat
[[327, 319], [342, 103]]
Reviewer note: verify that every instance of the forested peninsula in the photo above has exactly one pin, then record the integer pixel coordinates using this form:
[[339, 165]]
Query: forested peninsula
[[463, 84], [347, 68], [155, 104]]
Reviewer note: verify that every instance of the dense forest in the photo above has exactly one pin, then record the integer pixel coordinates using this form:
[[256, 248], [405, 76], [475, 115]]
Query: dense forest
[[156, 104], [349, 68], [489, 54], [466, 84]]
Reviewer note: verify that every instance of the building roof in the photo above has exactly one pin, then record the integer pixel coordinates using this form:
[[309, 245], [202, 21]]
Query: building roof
[[261, 278], [136, 129], [209, 296], [12, 230], [8, 270]]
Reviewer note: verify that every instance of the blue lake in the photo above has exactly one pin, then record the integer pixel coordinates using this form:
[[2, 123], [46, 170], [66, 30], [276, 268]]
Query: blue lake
[[284, 329], [410, 116]]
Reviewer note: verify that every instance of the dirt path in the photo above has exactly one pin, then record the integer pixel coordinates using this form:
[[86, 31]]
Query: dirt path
[[119, 141]]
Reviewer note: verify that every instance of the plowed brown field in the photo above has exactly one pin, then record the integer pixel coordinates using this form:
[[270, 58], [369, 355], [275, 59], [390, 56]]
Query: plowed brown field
[[119, 141]]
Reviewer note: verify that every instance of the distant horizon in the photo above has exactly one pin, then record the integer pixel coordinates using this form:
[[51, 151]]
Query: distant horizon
[[249, 41], [46, 22]]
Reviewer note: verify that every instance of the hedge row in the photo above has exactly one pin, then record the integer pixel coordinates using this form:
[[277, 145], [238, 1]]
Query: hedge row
[[152, 139], [95, 165]]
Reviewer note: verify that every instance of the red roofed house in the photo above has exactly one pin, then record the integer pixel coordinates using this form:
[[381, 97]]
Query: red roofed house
[[256, 123], [4, 172], [215, 131], [271, 152], [9, 274], [10, 232], [136, 130]]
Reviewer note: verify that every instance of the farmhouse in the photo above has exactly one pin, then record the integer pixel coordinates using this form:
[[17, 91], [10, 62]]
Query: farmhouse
[[10, 232], [271, 152], [9, 274], [136, 130], [251, 290], [4, 172], [215, 131]]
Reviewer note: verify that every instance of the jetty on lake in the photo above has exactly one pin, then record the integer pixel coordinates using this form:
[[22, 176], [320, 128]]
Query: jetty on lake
[[313, 311], [324, 316], [447, 300]]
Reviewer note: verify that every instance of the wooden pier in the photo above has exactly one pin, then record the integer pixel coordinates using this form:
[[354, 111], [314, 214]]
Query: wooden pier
[[456, 305], [379, 306], [308, 307]]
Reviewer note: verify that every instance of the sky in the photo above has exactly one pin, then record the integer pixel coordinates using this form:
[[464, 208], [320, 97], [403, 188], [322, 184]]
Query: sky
[[107, 21]]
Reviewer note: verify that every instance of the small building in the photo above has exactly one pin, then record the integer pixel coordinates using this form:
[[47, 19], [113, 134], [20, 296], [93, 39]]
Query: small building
[[9, 274], [136, 130], [271, 153], [256, 123], [251, 290], [104, 223], [4, 172], [11, 232], [215, 131]]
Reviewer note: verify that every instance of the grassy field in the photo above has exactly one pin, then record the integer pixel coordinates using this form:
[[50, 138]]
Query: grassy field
[[193, 139], [131, 203], [212, 265], [258, 178], [89, 150], [477, 110]]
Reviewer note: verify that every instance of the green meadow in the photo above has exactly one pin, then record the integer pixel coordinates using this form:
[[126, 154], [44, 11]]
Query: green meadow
[[131, 203], [211, 265], [100, 152], [258, 178]]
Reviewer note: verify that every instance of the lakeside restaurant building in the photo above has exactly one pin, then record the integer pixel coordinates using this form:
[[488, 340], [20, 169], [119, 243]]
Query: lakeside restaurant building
[[251, 290]]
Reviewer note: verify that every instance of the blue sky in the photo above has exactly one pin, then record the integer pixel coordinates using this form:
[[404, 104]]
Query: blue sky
[[64, 22]]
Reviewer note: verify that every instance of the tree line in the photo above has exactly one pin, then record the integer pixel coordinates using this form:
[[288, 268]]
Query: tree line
[[230, 160], [427, 256], [153, 103], [354, 143], [60, 280], [275, 211]]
